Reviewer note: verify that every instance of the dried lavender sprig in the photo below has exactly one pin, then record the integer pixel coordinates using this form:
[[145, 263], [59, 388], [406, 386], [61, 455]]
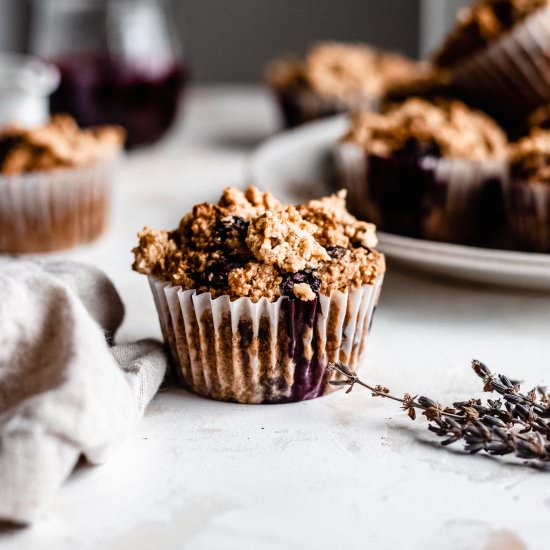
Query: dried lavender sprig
[[488, 428], [518, 409], [532, 412], [493, 438], [430, 408]]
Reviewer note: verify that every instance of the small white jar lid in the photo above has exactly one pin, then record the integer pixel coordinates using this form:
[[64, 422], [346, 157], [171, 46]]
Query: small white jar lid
[[25, 86]]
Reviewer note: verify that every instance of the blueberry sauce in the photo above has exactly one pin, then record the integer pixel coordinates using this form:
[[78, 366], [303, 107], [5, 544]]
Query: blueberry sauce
[[96, 89]]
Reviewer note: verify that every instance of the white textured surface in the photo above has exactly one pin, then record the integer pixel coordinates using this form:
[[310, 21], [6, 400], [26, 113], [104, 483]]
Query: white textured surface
[[339, 472]]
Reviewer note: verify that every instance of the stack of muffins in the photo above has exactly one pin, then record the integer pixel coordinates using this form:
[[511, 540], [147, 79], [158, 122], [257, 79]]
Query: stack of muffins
[[455, 150]]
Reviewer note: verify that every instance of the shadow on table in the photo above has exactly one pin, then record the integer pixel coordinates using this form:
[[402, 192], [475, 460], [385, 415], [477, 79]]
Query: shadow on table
[[7, 528], [240, 143], [505, 462]]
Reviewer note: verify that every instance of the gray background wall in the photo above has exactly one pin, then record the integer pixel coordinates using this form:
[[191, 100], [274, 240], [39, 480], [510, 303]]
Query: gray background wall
[[231, 40], [12, 24], [436, 16]]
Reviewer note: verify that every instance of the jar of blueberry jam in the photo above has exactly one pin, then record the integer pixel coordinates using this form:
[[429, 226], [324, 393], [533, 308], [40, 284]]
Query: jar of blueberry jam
[[120, 63]]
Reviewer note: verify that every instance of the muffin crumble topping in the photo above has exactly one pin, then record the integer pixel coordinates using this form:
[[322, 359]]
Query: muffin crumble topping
[[540, 117], [58, 144], [445, 128], [341, 70], [482, 23], [530, 158], [250, 245]]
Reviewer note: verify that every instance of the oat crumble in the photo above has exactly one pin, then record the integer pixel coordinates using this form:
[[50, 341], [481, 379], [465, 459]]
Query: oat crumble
[[446, 128], [342, 70], [530, 158], [60, 143], [250, 245]]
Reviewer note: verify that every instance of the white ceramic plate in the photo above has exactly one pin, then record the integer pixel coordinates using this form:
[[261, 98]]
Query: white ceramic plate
[[295, 166]]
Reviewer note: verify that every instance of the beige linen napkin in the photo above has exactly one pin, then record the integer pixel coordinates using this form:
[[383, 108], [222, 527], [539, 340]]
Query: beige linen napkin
[[63, 391]]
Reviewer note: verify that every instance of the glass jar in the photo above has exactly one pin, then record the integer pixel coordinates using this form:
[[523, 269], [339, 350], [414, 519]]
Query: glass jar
[[120, 62], [26, 84]]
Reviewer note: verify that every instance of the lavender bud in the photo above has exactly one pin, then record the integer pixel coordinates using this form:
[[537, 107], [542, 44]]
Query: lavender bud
[[493, 422], [426, 402], [480, 369]]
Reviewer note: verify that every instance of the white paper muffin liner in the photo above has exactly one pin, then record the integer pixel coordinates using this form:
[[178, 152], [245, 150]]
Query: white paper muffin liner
[[452, 216], [263, 352], [528, 214], [512, 74], [59, 209]]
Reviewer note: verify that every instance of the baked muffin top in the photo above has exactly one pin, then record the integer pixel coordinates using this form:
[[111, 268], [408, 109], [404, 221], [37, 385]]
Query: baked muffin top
[[445, 128], [60, 143], [530, 157], [482, 23], [251, 245], [539, 117], [342, 70]]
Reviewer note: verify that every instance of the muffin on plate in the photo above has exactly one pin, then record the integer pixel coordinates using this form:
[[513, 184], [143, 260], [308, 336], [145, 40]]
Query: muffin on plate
[[54, 184], [499, 55], [424, 169], [334, 78], [527, 192], [256, 297]]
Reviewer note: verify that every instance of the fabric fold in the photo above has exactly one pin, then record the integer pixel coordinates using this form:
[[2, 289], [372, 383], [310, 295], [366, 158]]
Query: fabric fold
[[64, 392]]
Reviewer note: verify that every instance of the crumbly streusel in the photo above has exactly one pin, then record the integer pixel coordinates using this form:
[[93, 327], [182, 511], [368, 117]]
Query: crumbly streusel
[[482, 23], [342, 70], [540, 117], [250, 245], [58, 144], [530, 157], [443, 128]]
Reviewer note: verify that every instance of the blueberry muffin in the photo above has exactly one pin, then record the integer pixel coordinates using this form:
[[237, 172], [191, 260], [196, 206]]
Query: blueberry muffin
[[499, 56], [527, 192], [256, 297], [424, 169], [335, 78], [55, 184]]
